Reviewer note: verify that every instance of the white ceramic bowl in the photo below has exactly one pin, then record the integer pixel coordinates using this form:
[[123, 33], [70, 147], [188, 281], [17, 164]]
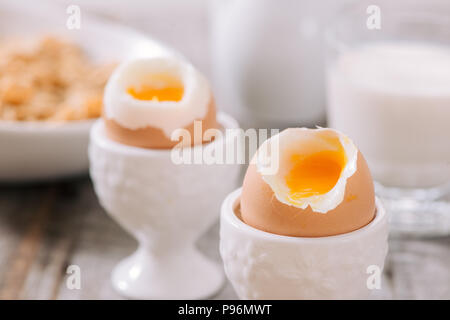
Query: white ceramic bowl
[[37, 151], [262, 265]]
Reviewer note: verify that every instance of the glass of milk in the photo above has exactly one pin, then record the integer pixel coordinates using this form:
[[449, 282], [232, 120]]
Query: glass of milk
[[388, 87]]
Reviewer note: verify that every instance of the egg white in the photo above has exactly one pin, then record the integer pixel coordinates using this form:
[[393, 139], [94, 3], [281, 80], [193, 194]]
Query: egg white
[[282, 146], [132, 113]]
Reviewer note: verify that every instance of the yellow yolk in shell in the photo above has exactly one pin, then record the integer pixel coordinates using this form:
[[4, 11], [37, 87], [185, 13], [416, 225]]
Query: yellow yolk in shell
[[315, 174], [158, 87]]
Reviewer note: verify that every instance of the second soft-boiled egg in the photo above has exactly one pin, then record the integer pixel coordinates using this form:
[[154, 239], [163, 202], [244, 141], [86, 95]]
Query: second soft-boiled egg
[[147, 99], [321, 186]]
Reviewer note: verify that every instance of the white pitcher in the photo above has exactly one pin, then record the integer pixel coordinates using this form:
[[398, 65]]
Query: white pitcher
[[267, 60]]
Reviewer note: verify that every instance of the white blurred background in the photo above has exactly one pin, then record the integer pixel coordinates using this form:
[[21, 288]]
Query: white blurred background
[[264, 57]]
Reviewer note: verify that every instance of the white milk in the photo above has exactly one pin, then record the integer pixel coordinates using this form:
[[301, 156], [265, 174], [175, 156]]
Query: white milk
[[393, 99]]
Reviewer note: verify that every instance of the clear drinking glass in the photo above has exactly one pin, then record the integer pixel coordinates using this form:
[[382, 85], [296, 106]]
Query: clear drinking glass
[[388, 87]]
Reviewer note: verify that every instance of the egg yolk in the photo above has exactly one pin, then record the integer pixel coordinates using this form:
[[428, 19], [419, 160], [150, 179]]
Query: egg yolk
[[159, 87], [315, 174]]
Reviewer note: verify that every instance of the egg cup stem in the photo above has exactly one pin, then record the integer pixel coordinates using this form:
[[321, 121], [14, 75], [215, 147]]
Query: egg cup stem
[[172, 274]]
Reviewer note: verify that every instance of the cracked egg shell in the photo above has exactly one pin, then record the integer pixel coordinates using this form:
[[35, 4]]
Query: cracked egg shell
[[154, 138], [266, 202]]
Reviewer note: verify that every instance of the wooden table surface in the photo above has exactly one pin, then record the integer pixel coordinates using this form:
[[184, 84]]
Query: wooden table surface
[[46, 228]]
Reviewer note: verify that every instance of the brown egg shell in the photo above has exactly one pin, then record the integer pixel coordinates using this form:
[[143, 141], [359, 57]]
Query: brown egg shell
[[262, 210], [154, 138]]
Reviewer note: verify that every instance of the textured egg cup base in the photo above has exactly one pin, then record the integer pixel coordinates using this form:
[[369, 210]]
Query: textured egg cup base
[[262, 265], [171, 276]]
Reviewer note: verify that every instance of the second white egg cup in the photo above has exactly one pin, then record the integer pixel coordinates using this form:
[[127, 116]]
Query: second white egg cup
[[166, 207], [262, 265]]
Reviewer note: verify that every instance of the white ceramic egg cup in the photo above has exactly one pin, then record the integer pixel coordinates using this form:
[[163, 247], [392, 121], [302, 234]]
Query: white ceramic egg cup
[[166, 207], [262, 265]]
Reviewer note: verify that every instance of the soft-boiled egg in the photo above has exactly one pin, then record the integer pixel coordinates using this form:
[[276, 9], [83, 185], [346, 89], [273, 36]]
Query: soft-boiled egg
[[322, 185], [147, 99]]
